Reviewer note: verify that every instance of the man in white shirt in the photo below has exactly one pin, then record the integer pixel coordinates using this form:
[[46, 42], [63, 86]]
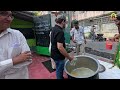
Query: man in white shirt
[[78, 37], [15, 53]]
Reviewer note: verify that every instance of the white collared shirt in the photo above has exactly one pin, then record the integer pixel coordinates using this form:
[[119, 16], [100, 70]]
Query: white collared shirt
[[12, 43], [78, 34]]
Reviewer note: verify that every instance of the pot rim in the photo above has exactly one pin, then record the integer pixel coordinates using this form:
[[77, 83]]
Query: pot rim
[[96, 72]]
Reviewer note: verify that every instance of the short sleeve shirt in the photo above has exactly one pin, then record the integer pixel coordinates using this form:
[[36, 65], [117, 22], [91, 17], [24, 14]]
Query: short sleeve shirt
[[57, 35]]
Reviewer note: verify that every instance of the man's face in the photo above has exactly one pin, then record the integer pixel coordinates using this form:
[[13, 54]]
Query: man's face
[[5, 20], [64, 24], [76, 26]]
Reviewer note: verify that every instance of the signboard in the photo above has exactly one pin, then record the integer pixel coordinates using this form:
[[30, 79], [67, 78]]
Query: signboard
[[42, 30]]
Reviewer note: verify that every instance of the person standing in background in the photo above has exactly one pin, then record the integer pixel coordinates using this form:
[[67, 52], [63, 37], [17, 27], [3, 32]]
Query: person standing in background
[[92, 33], [78, 37]]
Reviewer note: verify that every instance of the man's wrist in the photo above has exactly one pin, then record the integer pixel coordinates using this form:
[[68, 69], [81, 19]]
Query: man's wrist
[[15, 60]]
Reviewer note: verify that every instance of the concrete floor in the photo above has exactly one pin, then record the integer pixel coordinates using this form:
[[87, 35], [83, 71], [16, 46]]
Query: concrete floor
[[101, 46], [38, 71]]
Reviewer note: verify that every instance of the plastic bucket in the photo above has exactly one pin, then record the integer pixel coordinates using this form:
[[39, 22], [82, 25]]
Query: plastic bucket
[[109, 45]]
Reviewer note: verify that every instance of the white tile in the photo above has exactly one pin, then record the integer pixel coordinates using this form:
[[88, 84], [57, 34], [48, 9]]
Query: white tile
[[113, 73]]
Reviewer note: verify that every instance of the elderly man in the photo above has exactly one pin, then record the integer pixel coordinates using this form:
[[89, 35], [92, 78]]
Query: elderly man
[[15, 54]]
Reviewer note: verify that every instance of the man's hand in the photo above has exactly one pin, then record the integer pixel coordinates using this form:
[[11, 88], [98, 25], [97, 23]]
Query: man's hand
[[74, 41], [71, 58], [22, 57]]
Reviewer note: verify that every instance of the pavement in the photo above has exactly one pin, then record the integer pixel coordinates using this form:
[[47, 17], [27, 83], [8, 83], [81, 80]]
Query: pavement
[[38, 71], [101, 46]]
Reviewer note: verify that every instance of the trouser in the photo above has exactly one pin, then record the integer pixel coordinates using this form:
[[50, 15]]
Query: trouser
[[59, 68], [80, 48], [93, 37]]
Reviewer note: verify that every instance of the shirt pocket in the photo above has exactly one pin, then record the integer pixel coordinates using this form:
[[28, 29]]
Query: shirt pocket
[[14, 50]]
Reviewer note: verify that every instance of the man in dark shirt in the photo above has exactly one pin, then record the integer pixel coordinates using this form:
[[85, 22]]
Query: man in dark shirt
[[58, 52]]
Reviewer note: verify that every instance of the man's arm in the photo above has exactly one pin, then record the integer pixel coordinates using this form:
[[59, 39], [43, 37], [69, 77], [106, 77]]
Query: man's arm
[[25, 50], [9, 63], [60, 41], [63, 51], [5, 65]]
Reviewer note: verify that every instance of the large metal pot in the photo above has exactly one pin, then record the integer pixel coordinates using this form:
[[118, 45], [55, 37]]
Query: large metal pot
[[87, 62]]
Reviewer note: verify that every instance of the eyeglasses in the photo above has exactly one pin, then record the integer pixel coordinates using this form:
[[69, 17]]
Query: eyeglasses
[[6, 14]]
